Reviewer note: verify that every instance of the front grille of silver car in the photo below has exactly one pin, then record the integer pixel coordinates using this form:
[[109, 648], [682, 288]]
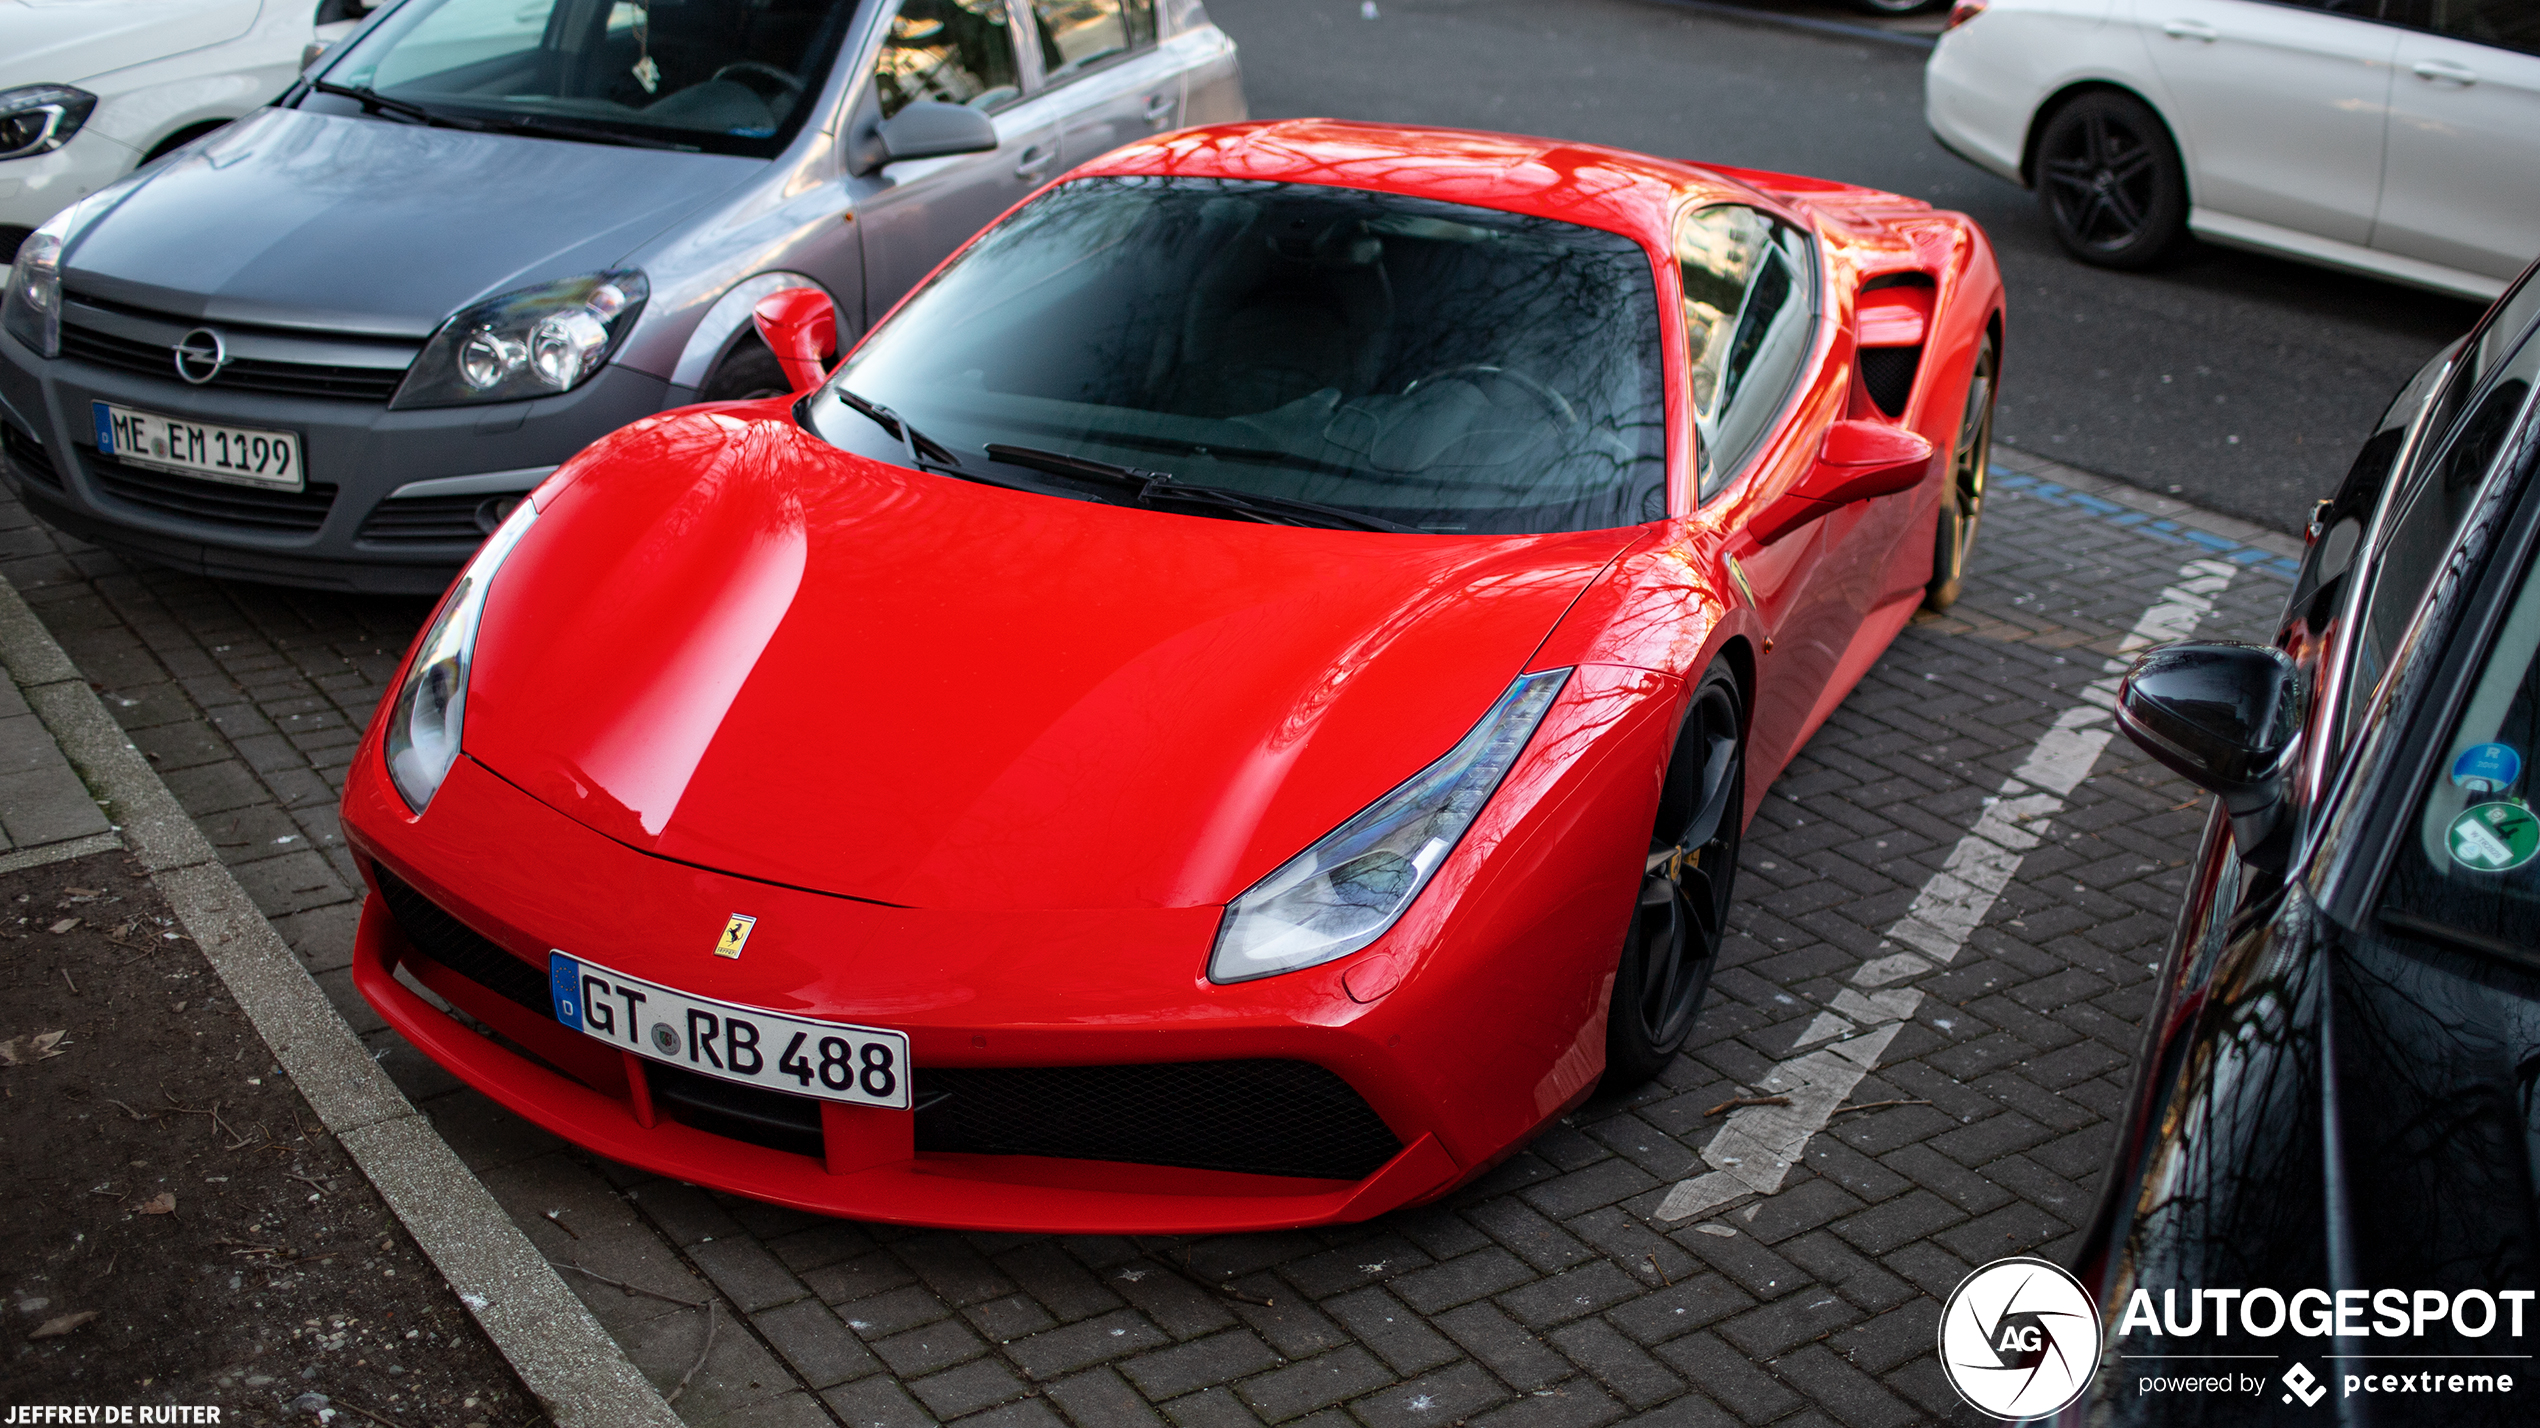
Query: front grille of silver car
[[261, 359], [256, 508]]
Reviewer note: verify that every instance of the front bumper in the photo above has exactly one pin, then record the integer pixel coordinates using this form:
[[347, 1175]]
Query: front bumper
[[971, 990], [340, 533]]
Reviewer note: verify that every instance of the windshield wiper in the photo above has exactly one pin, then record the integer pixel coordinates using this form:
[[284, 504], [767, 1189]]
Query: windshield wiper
[[566, 129], [1154, 486], [924, 452], [374, 102]]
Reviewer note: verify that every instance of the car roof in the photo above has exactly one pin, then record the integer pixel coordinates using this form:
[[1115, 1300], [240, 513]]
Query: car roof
[[1589, 184]]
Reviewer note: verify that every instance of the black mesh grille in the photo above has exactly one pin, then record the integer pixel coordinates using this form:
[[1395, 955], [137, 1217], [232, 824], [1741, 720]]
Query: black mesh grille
[[435, 520], [761, 1117], [28, 455], [1256, 1117], [252, 507], [1888, 375], [455, 945], [242, 374]]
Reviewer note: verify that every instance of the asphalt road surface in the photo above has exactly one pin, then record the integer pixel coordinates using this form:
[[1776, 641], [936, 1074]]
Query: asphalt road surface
[[2238, 382]]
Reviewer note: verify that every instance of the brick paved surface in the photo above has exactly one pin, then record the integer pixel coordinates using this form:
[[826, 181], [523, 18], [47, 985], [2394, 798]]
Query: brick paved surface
[[1549, 1294]]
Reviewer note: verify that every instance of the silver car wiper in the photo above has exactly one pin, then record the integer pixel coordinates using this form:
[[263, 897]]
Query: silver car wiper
[[1154, 486], [567, 129]]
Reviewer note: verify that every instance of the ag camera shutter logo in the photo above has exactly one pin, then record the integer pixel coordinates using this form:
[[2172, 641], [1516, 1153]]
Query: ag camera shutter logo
[[2019, 1338]]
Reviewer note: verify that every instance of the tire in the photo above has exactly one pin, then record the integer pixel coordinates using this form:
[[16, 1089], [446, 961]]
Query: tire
[[2110, 181], [1898, 7], [1963, 505], [747, 372], [1687, 883]]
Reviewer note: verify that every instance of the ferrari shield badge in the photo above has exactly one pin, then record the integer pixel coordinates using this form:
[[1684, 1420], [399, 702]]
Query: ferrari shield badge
[[736, 935]]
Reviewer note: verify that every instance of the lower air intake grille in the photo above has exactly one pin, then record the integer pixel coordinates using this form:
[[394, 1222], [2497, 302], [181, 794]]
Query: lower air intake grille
[[769, 1118], [1254, 1117], [27, 454], [1888, 374], [436, 520], [214, 502], [455, 945]]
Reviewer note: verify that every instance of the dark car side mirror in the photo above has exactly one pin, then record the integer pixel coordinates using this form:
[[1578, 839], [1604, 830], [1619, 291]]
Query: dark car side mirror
[[931, 128], [799, 325], [1859, 460], [2225, 717]]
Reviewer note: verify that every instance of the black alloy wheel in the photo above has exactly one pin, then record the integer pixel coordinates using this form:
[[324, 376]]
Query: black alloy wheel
[[1898, 7], [1686, 883], [2111, 181], [1963, 506]]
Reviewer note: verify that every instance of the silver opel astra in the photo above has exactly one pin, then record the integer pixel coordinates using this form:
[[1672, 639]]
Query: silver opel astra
[[333, 343]]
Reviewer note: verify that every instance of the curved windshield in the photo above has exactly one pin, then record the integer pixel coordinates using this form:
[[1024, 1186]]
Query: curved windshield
[[723, 76], [1429, 365]]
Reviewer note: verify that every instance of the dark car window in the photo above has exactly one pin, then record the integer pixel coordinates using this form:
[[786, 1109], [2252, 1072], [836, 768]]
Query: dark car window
[[1441, 366], [1749, 305], [2506, 24], [2471, 861], [725, 76], [1078, 34], [2440, 493], [957, 51]]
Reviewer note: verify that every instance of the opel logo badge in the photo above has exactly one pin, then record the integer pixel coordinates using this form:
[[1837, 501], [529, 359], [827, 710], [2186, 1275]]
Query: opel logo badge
[[200, 355]]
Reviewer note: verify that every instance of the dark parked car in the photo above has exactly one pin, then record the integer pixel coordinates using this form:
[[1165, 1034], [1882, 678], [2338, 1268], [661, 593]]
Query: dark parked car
[[2336, 1096]]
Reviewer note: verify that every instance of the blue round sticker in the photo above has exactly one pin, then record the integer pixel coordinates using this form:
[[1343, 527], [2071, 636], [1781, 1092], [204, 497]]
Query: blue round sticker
[[2486, 768]]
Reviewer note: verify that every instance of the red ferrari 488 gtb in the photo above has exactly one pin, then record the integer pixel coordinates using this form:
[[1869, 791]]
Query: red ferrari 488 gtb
[[1233, 707]]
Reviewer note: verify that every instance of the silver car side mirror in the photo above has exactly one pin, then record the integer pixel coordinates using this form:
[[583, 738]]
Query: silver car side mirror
[[931, 128]]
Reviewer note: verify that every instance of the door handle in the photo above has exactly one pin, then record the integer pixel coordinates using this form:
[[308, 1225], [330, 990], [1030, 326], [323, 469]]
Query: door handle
[[2191, 30], [2446, 72], [1159, 108], [1032, 161]]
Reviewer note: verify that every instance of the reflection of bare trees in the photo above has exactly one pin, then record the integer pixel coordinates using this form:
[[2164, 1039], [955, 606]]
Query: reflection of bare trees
[[1446, 366]]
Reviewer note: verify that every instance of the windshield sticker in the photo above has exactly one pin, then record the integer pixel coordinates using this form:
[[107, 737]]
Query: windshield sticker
[[2494, 837], [2486, 768]]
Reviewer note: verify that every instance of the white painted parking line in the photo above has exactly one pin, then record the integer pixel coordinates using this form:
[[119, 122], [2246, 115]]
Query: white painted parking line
[[1753, 1152]]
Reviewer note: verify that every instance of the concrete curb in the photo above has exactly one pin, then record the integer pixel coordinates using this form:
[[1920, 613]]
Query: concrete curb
[[563, 1356], [1811, 23]]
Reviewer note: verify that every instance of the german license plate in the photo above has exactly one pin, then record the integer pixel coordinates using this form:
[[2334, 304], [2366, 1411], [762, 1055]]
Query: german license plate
[[796, 1055], [241, 455]]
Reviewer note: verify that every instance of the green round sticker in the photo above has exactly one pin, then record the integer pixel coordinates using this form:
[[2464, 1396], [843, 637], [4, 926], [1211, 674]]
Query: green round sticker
[[2494, 837]]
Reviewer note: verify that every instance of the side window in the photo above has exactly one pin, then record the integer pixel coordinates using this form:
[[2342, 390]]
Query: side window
[[2444, 489], [1077, 34], [2506, 24], [958, 51], [1749, 318]]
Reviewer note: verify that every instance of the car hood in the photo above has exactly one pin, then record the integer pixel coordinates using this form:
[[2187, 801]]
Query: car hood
[[366, 225], [66, 41], [731, 644]]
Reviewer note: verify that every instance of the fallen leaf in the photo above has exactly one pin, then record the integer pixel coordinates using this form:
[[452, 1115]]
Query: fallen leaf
[[65, 925], [56, 1328], [163, 1203], [25, 1050]]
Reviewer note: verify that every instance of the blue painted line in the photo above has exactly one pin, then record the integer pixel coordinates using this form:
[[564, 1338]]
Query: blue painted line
[[2248, 557]]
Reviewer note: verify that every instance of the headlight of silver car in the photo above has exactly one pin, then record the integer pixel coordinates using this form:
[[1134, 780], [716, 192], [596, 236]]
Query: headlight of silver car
[[1357, 880], [425, 718], [39, 118], [32, 311], [532, 343]]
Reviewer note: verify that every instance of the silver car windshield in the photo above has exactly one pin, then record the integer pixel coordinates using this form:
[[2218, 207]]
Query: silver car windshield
[[723, 76], [1438, 366]]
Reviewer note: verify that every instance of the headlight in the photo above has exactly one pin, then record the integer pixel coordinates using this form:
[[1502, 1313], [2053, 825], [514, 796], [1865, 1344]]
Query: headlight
[[1346, 890], [40, 118], [424, 720], [32, 311], [532, 343]]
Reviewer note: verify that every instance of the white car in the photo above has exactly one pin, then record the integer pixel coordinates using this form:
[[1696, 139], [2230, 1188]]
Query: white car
[[2399, 138], [92, 89]]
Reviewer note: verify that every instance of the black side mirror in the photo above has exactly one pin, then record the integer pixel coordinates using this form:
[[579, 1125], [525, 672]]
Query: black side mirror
[[931, 128], [2225, 718]]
